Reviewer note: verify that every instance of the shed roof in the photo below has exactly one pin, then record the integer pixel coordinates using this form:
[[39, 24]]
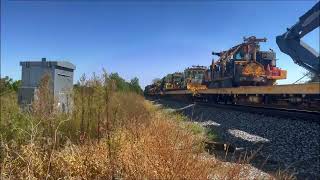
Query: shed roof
[[64, 64]]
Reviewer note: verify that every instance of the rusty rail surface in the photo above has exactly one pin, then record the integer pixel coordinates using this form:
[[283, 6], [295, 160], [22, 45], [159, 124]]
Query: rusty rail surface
[[294, 114]]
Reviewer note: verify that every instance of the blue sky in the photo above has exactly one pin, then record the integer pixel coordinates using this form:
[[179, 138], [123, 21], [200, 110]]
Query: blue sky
[[142, 39]]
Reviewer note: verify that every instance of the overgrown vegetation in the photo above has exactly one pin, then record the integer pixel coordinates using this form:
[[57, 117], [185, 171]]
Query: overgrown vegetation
[[7, 85], [112, 132]]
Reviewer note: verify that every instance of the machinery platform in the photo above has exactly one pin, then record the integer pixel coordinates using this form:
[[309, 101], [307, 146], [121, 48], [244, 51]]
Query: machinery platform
[[302, 89]]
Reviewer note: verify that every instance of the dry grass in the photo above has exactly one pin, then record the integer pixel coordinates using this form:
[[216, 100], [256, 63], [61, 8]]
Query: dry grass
[[108, 135], [165, 149], [158, 148]]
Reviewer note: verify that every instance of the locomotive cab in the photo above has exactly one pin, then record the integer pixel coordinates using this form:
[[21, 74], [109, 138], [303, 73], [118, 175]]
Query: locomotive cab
[[194, 78], [173, 81]]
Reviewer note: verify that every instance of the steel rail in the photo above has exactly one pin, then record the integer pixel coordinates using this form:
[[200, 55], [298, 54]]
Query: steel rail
[[294, 114]]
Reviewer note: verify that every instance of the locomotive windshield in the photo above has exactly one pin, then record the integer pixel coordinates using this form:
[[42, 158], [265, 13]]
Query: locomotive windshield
[[195, 75], [198, 77]]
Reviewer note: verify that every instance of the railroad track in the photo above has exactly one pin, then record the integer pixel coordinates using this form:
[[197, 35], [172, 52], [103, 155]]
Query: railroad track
[[290, 137], [294, 114], [289, 113]]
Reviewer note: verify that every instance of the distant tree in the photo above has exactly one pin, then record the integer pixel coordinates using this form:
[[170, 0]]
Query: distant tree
[[3, 84], [134, 85], [120, 83], [15, 85], [8, 84]]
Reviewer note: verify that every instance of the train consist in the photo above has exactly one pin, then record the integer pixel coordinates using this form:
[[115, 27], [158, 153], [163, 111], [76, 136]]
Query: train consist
[[243, 75], [242, 65]]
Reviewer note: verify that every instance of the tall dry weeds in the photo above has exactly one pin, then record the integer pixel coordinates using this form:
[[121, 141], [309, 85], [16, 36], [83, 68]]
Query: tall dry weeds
[[109, 134]]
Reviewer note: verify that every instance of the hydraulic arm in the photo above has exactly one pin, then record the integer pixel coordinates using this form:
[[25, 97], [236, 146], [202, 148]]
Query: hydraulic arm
[[291, 43]]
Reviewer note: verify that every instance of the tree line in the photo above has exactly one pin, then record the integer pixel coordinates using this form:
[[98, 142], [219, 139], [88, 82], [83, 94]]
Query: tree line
[[7, 84]]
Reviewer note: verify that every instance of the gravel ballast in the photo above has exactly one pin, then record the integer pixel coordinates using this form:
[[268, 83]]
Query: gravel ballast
[[288, 144]]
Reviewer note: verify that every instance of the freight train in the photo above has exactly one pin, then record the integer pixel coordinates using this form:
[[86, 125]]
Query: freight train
[[242, 65], [244, 74]]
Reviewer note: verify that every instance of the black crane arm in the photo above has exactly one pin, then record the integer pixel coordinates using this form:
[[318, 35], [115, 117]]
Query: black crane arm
[[291, 43]]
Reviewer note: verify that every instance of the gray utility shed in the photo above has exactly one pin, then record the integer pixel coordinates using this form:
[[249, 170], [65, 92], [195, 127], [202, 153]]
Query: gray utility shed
[[61, 75]]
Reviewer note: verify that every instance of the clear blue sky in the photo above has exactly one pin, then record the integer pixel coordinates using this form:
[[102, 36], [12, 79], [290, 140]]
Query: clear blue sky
[[142, 39]]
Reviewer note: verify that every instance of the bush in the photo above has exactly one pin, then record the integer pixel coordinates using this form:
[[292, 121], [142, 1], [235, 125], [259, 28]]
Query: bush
[[7, 84]]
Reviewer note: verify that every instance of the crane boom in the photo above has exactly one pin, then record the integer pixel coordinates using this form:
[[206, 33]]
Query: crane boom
[[290, 42]]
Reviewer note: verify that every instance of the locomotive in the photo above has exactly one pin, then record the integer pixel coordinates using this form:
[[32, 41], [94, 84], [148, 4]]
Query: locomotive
[[242, 65], [194, 78], [173, 81]]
